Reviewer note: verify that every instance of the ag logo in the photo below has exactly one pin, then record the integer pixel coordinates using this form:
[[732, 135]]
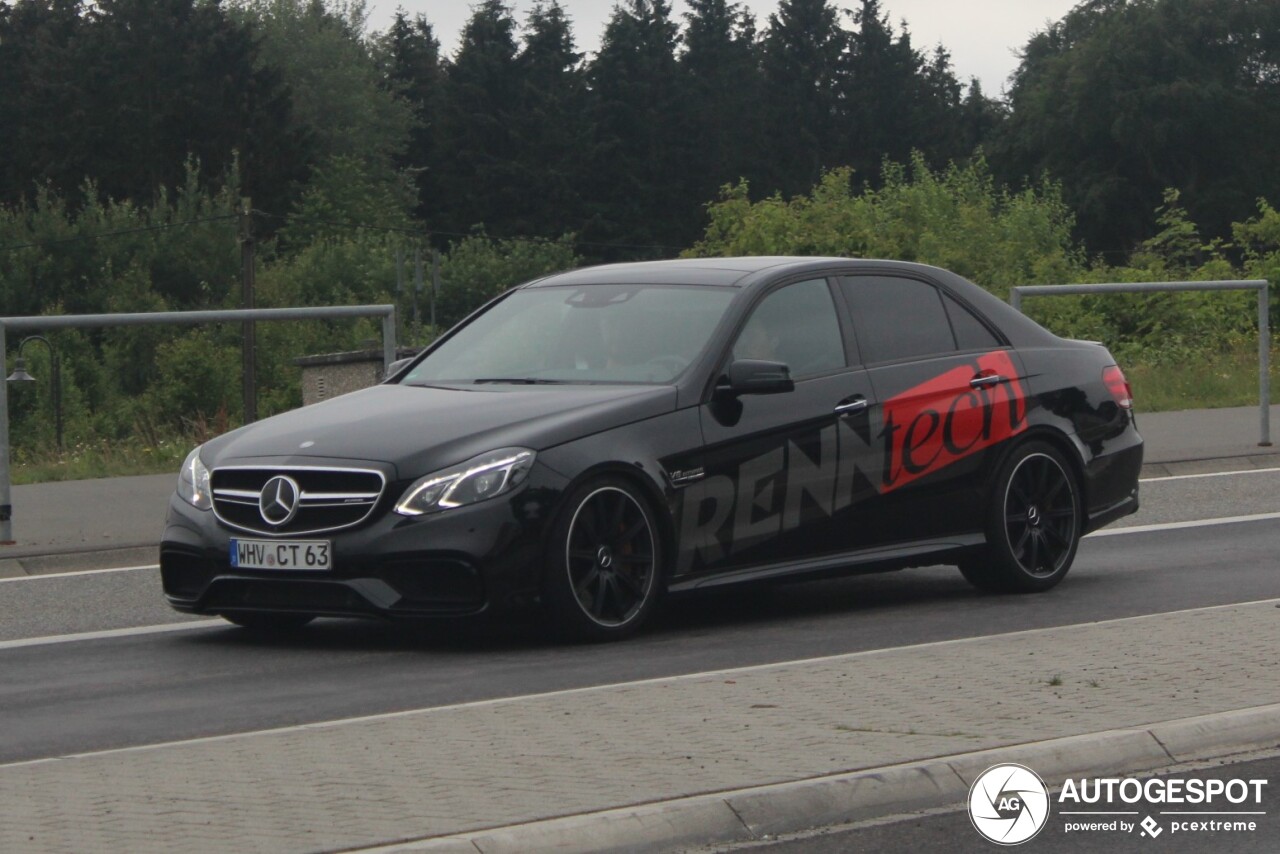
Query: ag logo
[[1008, 804]]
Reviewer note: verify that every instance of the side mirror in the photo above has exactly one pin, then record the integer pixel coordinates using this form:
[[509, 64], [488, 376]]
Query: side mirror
[[755, 376]]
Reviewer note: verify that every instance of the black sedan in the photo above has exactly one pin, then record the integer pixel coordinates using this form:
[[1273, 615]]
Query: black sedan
[[593, 439]]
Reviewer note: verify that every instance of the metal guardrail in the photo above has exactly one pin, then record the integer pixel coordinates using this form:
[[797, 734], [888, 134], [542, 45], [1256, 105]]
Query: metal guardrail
[[1264, 320], [163, 318]]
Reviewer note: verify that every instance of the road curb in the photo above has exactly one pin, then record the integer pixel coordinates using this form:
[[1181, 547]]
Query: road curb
[[747, 815]]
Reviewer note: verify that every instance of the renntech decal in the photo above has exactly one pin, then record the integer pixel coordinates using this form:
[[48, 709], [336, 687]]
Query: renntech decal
[[942, 420], [913, 434]]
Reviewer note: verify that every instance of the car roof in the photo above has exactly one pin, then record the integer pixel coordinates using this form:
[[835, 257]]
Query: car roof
[[745, 272], [725, 272]]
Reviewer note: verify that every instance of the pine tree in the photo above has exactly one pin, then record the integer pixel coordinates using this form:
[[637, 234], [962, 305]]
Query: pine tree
[[633, 189], [724, 86], [551, 126], [479, 149], [803, 46], [412, 60]]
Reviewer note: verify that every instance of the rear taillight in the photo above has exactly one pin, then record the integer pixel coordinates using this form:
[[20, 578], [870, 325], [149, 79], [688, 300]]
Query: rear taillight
[[1113, 379]]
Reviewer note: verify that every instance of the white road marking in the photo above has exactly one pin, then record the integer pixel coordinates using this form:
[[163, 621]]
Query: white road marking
[[79, 572], [1206, 474], [568, 692], [1194, 523], [112, 633]]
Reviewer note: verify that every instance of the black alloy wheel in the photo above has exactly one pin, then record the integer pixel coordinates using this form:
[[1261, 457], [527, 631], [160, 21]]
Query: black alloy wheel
[[1033, 525], [606, 564]]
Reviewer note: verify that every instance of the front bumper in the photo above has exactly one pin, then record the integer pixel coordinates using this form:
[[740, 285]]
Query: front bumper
[[459, 562]]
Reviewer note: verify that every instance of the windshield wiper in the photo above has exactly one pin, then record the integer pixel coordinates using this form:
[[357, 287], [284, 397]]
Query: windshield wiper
[[518, 381]]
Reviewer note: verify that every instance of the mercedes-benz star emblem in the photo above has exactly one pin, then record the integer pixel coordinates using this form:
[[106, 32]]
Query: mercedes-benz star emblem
[[279, 500]]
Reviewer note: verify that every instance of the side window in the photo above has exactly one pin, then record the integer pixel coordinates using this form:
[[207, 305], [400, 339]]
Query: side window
[[897, 318], [796, 325], [971, 333]]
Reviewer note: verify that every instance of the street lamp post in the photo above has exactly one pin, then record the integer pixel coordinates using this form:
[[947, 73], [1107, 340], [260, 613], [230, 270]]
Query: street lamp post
[[20, 375]]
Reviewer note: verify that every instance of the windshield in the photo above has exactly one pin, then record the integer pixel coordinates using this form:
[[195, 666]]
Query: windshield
[[596, 333]]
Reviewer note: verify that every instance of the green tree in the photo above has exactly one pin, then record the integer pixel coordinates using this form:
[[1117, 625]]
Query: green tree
[[551, 126], [957, 218], [41, 97], [123, 92], [803, 49], [411, 59], [1124, 98], [478, 268], [341, 104], [724, 87], [479, 171], [343, 194], [635, 104]]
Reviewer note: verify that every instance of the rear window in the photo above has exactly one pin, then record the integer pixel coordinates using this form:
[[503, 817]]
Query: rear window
[[971, 333], [897, 318]]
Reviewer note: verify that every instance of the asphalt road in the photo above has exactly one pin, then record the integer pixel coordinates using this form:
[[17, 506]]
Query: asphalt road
[[952, 831], [101, 692]]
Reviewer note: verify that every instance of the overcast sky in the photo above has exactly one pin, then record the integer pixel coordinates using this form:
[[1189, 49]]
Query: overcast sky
[[983, 36]]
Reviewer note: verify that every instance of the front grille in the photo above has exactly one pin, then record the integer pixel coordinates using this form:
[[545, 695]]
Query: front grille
[[327, 499]]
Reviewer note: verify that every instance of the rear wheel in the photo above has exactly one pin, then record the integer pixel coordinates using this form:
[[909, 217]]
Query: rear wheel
[[1033, 524], [605, 563], [265, 622]]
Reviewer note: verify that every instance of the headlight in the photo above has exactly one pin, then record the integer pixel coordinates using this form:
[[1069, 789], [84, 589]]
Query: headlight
[[483, 477], [193, 482]]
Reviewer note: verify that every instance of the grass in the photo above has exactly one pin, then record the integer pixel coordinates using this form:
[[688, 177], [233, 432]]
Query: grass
[[101, 459], [1202, 383]]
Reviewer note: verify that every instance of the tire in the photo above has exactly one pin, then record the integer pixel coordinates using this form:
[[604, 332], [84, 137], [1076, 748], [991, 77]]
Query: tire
[[605, 560], [266, 622], [1033, 523]]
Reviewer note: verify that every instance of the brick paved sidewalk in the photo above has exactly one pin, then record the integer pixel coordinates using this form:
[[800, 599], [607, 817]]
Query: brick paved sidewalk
[[447, 770]]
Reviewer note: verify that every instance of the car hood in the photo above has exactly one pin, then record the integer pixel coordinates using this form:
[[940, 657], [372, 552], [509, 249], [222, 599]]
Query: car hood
[[419, 429]]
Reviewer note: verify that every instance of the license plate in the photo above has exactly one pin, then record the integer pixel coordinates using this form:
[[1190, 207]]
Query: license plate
[[277, 554]]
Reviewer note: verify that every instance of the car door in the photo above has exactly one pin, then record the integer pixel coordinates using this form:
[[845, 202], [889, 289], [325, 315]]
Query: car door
[[949, 391], [775, 474]]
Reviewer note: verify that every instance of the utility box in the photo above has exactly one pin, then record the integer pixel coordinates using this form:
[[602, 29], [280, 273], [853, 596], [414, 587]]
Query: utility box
[[331, 374]]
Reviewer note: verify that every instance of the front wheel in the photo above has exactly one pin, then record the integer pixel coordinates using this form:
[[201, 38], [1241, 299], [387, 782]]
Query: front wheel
[[1033, 524], [604, 564]]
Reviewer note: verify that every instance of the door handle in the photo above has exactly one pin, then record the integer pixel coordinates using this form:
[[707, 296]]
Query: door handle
[[852, 406], [987, 380]]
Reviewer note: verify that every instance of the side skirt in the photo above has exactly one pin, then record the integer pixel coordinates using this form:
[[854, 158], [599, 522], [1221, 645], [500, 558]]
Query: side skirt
[[903, 555]]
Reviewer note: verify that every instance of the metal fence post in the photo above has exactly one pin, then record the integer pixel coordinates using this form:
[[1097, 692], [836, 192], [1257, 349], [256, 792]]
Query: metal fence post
[[1264, 361], [6, 501], [388, 341], [249, 343]]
